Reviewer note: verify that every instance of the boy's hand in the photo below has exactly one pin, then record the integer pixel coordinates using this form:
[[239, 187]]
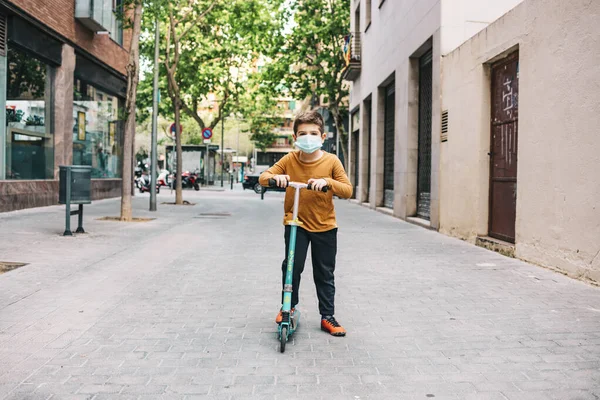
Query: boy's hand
[[317, 184], [282, 180]]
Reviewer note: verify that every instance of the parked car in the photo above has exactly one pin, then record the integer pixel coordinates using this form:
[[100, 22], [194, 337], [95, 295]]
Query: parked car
[[251, 180]]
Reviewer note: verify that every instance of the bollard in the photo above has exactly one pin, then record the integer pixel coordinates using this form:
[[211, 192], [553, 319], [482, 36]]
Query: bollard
[[68, 204], [74, 188], [80, 220], [231, 179]]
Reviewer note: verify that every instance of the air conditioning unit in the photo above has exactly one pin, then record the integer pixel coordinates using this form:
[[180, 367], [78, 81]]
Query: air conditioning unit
[[96, 15]]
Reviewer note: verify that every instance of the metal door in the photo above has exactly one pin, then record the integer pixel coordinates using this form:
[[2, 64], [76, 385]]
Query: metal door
[[424, 160], [388, 146], [369, 124], [355, 149], [503, 154]]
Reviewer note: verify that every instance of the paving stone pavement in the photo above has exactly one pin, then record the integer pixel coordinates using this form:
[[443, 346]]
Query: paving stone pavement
[[182, 307]]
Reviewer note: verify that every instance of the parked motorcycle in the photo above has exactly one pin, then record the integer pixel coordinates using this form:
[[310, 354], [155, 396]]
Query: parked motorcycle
[[163, 178], [144, 182], [188, 180], [138, 176]]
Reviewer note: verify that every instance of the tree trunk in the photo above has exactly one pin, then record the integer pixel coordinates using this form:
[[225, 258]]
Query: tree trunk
[[179, 150], [130, 102]]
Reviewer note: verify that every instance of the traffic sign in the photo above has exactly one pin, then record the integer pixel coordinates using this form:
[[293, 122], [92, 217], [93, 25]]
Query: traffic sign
[[172, 129], [207, 133]]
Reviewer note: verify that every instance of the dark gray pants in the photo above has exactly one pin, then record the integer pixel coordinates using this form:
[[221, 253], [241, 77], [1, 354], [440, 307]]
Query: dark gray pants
[[323, 246]]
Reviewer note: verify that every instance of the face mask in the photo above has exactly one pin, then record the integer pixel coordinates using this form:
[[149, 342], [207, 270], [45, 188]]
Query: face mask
[[309, 143]]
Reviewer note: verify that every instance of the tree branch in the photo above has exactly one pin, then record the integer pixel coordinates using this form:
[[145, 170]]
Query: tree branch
[[193, 113], [198, 19]]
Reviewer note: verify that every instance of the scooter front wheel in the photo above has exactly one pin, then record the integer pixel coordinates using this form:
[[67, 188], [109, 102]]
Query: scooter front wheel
[[283, 338]]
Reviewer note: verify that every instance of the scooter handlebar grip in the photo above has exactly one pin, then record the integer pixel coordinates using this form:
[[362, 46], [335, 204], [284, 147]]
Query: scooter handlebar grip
[[273, 183], [324, 189]]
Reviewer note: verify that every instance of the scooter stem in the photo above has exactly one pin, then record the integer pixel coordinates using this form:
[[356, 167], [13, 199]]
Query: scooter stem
[[287, 287], [296, 201]]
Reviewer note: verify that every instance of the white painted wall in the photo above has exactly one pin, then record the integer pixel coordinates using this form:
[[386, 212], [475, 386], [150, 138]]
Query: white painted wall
[[398, 31], [558, 206]]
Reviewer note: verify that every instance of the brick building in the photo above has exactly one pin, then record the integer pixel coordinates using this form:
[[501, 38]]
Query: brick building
[[62, 83]]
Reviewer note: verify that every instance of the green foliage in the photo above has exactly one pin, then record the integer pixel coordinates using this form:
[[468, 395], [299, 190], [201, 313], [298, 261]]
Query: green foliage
[[214, 53], [26, 76], [311, 62]]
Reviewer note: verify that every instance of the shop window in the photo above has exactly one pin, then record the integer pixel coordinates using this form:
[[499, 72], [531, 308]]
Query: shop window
[[29, 137], [97, 132]]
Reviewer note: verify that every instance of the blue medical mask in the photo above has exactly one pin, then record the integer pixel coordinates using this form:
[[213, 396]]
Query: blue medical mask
[[309, 143]]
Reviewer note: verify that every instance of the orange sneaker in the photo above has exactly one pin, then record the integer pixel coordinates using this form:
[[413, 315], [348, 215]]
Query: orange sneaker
[[280, 316], [331, 326]]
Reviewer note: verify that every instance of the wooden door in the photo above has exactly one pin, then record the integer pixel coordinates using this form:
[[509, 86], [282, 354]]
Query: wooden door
[[503, 154]]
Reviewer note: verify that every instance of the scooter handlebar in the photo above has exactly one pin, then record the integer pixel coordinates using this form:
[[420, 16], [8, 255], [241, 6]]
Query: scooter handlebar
[[273, 184], [324, 189]]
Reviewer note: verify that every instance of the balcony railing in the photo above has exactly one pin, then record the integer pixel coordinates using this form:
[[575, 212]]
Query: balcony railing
[[352, 55]]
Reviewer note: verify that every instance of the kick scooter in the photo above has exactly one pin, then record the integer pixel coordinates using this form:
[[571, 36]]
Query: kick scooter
[[289, 322]]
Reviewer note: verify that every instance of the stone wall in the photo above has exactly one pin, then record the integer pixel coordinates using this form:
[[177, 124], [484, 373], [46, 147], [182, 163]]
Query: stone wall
[[558, 184], [18, 195]]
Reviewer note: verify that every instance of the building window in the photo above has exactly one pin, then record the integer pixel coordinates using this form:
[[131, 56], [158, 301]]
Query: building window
[[97, 132], [29, 140], [281, 142], [116, 32], [368, 14]]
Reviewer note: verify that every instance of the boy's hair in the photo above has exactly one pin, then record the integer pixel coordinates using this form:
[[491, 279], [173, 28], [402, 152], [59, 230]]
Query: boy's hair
[[309, 117]]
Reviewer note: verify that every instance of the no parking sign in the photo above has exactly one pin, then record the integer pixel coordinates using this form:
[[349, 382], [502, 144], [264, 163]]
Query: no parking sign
[[207, 133]]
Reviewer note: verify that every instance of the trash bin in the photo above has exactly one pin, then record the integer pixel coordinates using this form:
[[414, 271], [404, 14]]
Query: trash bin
[[75, 187]]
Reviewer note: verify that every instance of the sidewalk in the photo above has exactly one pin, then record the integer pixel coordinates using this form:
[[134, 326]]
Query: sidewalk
[[182, 307]]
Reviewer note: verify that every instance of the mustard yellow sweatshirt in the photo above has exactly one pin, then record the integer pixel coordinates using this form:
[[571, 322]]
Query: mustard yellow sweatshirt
[[316, 210]]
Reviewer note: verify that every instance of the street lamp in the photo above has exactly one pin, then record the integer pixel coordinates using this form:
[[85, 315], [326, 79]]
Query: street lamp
[[153, 156], [222, 145]]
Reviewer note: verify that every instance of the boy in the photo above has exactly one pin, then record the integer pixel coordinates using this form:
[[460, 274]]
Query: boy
[[312, 165]]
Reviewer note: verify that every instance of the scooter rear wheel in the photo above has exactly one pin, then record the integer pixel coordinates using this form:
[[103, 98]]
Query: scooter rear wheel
[[283, 338]]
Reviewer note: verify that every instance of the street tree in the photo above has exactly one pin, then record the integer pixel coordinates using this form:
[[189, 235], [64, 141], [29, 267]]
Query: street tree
[[258, 105], [132, 17], [183, 19], [311, 62], [207, 53]]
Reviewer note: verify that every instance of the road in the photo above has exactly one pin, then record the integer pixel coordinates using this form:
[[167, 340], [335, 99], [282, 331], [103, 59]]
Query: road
[[183, 307]]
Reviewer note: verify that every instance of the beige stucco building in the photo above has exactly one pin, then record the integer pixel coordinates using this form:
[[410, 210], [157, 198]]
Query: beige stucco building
[[552, 140], [396, 69], [480, 119]]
